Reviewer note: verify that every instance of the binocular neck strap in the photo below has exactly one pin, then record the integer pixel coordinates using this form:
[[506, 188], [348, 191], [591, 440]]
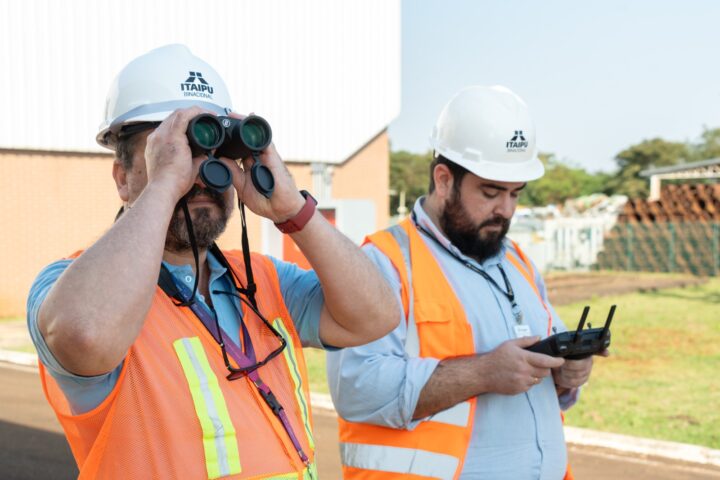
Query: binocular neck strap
[[251, 287], [196, 253], [250, 279]]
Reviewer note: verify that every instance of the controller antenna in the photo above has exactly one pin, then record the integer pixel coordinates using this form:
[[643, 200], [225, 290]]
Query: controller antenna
[[586, 310], [606, 328]]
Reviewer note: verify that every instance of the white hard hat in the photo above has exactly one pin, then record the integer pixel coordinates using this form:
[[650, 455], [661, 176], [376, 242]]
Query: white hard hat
[[488, 131], [154, 85]]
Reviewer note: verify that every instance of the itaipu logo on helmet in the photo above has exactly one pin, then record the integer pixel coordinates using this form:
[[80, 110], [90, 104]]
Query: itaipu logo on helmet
[[517, 143], [196, 86]]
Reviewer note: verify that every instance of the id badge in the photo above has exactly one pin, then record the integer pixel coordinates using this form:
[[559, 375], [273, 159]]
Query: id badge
[[522, 330]]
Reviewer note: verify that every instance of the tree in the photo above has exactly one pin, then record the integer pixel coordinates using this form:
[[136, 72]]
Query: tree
[[709, 146], [409, 173], [560, 182], [647, 154]]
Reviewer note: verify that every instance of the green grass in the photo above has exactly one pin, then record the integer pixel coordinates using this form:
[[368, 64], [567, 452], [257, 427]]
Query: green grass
[[23, 348], [11, 319], [663, 378], [315, 360]]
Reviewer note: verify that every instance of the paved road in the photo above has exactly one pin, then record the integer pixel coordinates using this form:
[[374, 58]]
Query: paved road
[[32, 445]]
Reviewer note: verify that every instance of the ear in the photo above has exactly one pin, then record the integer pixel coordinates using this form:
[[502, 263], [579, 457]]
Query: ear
[[443, 181], [120, 176]]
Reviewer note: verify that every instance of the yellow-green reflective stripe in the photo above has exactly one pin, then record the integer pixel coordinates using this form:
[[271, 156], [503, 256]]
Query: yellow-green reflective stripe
[[285, 476], [290, 359], [310, 473], [222, 457]]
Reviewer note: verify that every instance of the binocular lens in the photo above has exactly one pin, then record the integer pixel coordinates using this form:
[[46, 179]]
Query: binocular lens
[[255, 134], [207, 132]]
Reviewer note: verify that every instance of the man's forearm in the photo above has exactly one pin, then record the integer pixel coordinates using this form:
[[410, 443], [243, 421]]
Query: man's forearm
[[96, 309], [509, 369], [453, 381], [357, 297]]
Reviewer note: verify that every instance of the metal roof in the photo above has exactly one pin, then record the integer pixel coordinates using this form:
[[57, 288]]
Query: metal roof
[[325, 74], [681, 168]]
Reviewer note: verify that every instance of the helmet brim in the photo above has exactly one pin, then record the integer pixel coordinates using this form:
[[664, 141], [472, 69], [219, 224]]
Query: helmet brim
[[107, 137], [504, 172]]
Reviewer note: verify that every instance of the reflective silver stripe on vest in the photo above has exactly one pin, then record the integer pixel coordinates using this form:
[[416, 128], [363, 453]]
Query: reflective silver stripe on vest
[[412, 341], [458, 415], [399, 460]]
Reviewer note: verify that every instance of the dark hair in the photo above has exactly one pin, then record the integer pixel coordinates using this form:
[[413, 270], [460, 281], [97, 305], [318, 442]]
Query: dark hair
[[125, 150], [457, 171], [127, 142]]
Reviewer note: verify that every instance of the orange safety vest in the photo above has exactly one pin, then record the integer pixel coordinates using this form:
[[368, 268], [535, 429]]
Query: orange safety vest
[[173, 414], [437, 328]]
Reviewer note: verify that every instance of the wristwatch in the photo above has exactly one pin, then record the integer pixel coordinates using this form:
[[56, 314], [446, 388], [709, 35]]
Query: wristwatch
[[298, 222]]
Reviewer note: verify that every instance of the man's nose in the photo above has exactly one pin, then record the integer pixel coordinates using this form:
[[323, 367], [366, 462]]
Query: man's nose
[[197, 162], [506, 206]]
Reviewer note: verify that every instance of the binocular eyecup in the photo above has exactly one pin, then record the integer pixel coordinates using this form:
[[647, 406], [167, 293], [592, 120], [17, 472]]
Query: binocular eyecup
[[233, 138]]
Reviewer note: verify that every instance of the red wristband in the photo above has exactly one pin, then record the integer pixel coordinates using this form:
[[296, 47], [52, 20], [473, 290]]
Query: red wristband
[[298, 222]]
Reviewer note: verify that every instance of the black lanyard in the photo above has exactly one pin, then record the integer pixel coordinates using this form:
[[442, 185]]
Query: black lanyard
[[508, 292]]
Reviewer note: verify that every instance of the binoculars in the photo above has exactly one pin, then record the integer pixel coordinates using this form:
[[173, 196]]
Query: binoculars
[[233, 138]]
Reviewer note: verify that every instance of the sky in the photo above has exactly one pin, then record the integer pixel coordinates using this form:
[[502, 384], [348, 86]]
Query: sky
[[597, 76]]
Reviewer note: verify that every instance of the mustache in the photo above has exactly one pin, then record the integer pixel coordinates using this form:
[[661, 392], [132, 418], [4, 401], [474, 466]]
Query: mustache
[[495, 221], [215, 196]]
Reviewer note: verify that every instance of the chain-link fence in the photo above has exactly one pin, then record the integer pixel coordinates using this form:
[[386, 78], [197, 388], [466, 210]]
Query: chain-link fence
[[686, 247]]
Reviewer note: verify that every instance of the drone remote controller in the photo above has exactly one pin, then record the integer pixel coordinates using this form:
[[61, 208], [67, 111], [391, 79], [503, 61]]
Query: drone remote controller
[[578, 344]]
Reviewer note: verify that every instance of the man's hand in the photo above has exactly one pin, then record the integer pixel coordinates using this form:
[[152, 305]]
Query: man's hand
[[285, 201], [574, 373], [512, 369], [508, 370], [168, 156]]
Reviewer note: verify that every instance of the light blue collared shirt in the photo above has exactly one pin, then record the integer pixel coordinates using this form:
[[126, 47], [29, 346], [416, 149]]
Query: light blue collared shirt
[[514, 436], [300, 290]]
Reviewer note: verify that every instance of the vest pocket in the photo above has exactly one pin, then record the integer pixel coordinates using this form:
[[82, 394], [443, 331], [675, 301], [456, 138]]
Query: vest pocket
[[431, 312], [443, 333]]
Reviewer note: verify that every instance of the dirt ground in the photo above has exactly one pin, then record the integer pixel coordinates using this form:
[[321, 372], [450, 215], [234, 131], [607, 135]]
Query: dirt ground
[[564, 288]]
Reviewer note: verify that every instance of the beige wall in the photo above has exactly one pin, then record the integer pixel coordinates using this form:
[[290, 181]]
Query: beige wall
[[365, 175], [52, 204]]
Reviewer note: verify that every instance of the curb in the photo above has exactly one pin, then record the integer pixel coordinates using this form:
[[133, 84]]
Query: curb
[[643, 446], [592, 438], [573, 435], [18, 358]]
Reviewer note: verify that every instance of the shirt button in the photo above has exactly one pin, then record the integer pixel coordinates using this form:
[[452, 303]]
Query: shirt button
[[188, 278]]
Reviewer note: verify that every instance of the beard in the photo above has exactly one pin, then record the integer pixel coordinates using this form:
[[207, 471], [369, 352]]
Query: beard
[[469, 237], [206, 225]]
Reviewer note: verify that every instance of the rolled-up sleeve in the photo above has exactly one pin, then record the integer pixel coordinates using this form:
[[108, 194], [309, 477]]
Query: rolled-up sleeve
[[303, 296], [39, 290], [82, 393], [378, 383]]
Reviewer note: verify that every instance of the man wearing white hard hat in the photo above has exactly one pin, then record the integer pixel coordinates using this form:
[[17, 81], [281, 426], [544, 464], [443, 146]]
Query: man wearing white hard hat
[[166, 357], [452, 393]]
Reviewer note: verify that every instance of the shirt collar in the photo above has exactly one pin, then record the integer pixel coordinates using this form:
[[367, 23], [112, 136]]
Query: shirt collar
[[423, 219], [180, 271]]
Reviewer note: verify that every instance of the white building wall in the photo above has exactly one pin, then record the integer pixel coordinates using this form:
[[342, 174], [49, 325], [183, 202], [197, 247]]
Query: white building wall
[[565, 243], [325, 73]]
